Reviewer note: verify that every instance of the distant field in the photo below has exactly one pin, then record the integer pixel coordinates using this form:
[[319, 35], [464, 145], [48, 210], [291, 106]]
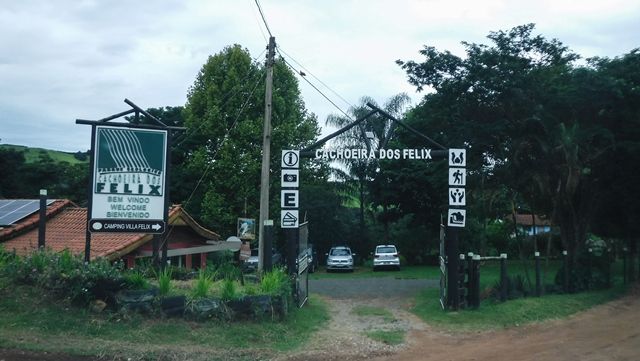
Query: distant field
[[32, 155]]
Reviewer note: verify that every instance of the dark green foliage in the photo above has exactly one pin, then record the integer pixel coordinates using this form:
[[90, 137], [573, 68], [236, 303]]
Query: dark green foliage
[[22, 179], [540, 130], [66, 275], [224, 116], [591, 271], [516, 288]]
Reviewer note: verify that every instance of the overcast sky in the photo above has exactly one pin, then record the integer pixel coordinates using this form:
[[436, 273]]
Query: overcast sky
[[63, 60]]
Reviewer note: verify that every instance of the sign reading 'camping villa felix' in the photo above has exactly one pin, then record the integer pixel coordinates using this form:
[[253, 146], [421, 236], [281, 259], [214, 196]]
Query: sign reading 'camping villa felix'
[[129, 180]]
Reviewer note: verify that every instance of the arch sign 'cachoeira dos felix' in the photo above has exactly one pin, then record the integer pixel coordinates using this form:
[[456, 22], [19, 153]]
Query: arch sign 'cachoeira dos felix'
[[456, 195]]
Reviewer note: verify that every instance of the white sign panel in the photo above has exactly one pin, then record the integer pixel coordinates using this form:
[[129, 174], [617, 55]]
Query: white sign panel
[[456, 217], [457, 197], [457, 157], [290, 158], [290, 178], [458, 177], [289, 198], [289, 218], [129, 180]]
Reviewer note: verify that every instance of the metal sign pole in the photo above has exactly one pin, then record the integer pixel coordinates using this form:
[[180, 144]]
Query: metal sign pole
[[92, 162]]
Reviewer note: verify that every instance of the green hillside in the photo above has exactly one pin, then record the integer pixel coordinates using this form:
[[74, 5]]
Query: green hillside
[[32, 155]]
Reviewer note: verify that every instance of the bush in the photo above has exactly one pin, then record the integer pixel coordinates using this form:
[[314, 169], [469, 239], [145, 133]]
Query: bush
[[202, 285], [275, 283], [164, 281], [516, 288], [136, 280], [229, 290], [65, 274]]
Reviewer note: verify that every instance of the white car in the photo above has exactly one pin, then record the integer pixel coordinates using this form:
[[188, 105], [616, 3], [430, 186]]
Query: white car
[[386, 256], [340, 258]]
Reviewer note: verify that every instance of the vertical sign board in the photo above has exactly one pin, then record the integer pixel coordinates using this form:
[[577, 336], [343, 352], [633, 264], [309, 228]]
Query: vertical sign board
[[456, 218], [129, 180], [290, 162]]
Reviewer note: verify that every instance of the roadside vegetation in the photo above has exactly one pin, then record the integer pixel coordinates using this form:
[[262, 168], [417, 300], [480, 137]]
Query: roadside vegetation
[[49, 302], [520, 309]]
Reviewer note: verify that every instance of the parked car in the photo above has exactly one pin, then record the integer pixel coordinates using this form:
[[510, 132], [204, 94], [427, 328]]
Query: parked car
[[386, 256], [251, 264], [340, 258]]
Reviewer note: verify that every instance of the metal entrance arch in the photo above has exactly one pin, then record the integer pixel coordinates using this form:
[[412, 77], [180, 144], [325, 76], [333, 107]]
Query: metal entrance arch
[[450, 281]]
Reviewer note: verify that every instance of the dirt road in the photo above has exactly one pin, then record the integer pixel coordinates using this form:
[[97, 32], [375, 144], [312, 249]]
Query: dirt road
[[607, 332]]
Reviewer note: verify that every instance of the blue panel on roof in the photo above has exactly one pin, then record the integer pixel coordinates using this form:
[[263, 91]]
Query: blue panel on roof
[[13, 210]]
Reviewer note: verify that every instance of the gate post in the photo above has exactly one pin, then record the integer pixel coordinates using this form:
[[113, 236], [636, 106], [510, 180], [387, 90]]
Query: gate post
[[538, 275], [453, 278], [504, 280]]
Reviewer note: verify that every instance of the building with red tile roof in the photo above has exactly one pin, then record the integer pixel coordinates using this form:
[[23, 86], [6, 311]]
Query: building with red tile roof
[[66, 229]]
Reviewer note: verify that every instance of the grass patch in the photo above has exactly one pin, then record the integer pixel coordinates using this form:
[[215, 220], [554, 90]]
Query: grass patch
[[495, 315], [371, 311], [31, 321], [406, 272], [392, 338]]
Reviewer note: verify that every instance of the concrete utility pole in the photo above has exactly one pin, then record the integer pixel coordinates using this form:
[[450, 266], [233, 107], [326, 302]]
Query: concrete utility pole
[[266, 153]]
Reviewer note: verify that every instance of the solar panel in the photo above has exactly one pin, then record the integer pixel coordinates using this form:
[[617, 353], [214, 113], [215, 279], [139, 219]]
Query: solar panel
[[13, 210]]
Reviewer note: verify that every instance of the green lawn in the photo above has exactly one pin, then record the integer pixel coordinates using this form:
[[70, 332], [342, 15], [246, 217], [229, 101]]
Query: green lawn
[[30, 321]]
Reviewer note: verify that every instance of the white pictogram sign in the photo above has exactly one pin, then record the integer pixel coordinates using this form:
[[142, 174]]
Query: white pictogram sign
[[458, 177], [457, 157], [289, 218], [290, 178], [456, 217], [289, 198], [457, 197], [290, 158]]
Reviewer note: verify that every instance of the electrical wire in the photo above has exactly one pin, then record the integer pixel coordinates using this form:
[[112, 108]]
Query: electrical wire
[[315, 77], [316, 88], [253, 11], [211, 161], [263, 18]]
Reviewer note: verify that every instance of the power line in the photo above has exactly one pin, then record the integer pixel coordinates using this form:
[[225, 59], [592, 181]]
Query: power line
[[315, 77], [263, 18], [224, 138], [253, 11], [316, 88]]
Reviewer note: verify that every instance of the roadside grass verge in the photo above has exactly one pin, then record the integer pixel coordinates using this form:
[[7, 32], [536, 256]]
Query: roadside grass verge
[[29, 320], [406, 272], [394, 337], [371, 311], [496, 315]]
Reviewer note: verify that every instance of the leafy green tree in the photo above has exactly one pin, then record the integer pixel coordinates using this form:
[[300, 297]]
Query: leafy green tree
[[224, 118], [530, 118]]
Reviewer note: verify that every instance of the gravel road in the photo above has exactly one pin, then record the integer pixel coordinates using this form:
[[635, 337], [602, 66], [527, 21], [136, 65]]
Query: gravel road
[[366, 288]]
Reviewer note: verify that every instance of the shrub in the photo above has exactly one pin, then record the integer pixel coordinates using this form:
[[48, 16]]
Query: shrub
[[229, 290], [275, 283], [136, 280], [202, 285], [164, 281]]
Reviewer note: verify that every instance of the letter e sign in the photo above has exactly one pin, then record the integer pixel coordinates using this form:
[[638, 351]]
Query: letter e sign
[[289, 198]]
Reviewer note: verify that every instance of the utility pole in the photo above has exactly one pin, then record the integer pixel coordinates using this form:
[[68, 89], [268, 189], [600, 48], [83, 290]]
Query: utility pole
[[266, 153]]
